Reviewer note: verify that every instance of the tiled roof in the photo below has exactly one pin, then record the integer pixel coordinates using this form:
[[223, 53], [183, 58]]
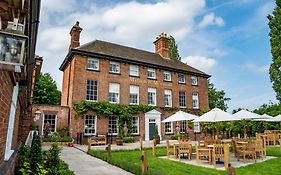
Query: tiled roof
[[134, 55]]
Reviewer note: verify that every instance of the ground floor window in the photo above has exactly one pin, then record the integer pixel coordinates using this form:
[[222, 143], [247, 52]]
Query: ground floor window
[[90, 124], [183, 127], [168, 127], [50, 122], [113, 124], [135, 125]]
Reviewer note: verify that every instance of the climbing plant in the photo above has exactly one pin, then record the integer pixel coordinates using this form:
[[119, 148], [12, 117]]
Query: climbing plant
[[104, 108]]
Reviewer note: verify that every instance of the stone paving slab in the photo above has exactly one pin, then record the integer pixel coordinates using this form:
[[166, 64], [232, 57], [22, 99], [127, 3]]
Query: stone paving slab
[[83, 164]]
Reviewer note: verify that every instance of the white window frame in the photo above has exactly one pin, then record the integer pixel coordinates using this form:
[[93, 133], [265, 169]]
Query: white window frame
[[179, 78], [134, 89], [95, 125], [117, 64], [184, 100], [137, 124], [170, 101], [194, 80], [95, 63], [168, 77], [183, 126], [43, 123], [10, 131], [116, 117], [151, 90], [115, 90], [153, 71], [170, 128], [195, 100], [92, 89], [134, 70]]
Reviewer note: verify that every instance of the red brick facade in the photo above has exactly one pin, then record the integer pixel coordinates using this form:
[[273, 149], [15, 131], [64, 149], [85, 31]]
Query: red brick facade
[[76, 74]]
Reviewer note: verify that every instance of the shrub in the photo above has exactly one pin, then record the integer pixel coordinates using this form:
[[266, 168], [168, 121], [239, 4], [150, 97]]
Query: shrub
[[36, 153], [57, 139], [176, 136], [129, 139], [63, 131]]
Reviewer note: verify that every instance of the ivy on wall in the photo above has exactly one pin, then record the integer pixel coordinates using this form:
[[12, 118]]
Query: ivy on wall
[[104, 108]]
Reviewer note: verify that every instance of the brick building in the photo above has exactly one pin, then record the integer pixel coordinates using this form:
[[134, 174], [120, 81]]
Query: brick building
[[16, 81], [104, 71]]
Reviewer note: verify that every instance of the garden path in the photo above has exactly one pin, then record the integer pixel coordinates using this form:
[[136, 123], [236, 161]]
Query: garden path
[[83, 164]]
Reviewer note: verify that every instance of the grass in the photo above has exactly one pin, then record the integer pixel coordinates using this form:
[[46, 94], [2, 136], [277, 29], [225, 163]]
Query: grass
[[130, 161]]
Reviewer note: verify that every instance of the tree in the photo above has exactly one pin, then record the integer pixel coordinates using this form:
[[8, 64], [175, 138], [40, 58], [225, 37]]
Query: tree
[[45, 91], [173, 47], [275, 42], [217, 98]]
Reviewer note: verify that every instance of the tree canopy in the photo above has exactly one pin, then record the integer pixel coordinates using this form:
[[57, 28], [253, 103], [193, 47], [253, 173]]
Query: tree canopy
[[275, 41], [217, 98], [45, 91], [173, 47]]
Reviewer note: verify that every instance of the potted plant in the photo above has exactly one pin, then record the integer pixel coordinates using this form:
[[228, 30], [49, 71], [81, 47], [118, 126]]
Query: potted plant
[[156, 135], [119, 138]]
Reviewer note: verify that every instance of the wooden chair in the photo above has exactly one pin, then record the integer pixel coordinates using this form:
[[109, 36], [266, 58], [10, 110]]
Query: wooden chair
[[203, 154], [260, 149], [270, 139], [185, 148], [247, 151], [217, 153], [169, 149]]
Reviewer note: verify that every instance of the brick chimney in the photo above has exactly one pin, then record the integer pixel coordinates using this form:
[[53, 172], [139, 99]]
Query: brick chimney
[[162, 45], [75, 36]]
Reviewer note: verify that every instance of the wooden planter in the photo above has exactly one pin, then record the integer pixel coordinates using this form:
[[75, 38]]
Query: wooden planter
[[119, 141]]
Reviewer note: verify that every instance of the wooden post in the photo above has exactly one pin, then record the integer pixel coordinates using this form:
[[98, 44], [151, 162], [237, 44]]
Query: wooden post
[[141, 144], [238, 136], [154, 148], [168, 149], [144, 161], [109, 150], [280, 144], [89, 143], [226, 155]]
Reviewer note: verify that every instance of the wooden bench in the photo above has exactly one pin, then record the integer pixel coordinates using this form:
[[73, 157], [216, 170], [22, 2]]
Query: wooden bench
[[97, 140]]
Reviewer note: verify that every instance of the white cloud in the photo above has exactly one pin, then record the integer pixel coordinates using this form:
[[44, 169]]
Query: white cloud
[[211, 19], [255, 68], [202, 63]]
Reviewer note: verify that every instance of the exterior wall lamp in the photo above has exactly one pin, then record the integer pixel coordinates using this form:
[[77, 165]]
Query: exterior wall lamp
[[37, 115], [12, 44]]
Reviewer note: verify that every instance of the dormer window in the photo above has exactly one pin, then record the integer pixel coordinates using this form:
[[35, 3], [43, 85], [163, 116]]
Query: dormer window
[[167, 76], [151, 74], [114, 67], [93, 64], [194, 81]]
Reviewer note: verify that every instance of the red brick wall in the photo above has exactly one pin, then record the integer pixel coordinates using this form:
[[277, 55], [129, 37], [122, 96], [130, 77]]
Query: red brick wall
[[60, 111], [79, 75]]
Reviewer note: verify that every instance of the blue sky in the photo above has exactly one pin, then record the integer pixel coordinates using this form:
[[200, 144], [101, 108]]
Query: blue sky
[[227, 39]]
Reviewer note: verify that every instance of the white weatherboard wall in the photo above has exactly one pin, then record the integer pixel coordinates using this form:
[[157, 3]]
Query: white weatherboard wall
[[156, 115], [8, 150]]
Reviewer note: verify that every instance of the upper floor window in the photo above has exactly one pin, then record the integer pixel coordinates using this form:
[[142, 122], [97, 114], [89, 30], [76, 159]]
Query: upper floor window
[[152, 96], [195, 101], [151, 73], [134, 70], [167, 76], [182, 100], [113, 124], [114, 92], [181, 78], [135, 125], [168, 98], [90, 124], [194, 80], [134, 95], [92, 90], [114, 67], [93, 63]]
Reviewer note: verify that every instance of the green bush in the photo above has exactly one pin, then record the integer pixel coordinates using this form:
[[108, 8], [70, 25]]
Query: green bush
[[129, 139], [36, 153], [57, 139], [176, 136]]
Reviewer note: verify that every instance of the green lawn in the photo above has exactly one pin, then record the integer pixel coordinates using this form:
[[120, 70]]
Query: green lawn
[[130, 161]]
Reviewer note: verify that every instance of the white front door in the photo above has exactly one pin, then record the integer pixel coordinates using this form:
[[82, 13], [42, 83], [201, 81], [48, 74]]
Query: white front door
[[152, 119]]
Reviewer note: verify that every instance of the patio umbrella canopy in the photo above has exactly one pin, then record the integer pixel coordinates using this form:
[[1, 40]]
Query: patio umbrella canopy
[[275, 119], [180, 116], [265, 118], [216, 115], [247, 115]]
